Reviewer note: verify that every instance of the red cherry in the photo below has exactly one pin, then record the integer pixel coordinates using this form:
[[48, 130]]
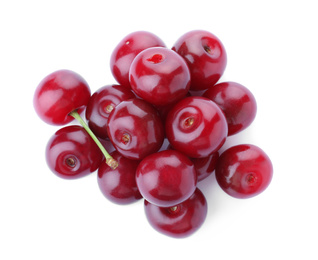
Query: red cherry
[[135, 129], [237, 103], [127, 49], [244, 171], [205, 56], [166, 178], [159, 76], [196, 126], [181, 220], [205, 166], [71, 153], [100, 105], [119, 185], [60, 93]]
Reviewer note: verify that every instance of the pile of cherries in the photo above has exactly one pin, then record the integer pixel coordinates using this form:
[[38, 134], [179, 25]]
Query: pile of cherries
[[156, 133]]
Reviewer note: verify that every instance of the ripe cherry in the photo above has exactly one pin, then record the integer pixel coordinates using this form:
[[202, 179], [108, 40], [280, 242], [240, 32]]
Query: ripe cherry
[[237, 103], [205, 166], [119, 185], [135, 129], [244, 171], [71, 153], [181, 220], [127, 49], [100, 105], [196, 126], [166, 178], [159, 76], [205, 56], [59, 94]]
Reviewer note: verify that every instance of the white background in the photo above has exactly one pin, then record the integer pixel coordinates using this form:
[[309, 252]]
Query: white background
[[272, 49]]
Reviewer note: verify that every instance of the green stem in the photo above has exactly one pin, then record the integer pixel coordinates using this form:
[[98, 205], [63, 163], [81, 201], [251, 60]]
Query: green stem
[[109, 159]]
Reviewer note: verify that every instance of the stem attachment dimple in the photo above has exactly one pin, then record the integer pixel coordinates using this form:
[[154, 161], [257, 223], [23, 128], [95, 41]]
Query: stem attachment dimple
[[110, 161]]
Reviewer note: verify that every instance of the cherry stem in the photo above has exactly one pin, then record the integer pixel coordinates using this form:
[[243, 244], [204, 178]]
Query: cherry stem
[[110, 161]]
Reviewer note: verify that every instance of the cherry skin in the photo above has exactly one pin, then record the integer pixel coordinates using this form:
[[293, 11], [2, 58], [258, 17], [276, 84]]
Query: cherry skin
[[166, 178], [159, 76], [71, 153], [196, 126], [119, 185], [205, 56], [244, 171], [135, 129], [179, 221], [100, 105], [58, 94], [237, 103], [205, 166], [127, 49]]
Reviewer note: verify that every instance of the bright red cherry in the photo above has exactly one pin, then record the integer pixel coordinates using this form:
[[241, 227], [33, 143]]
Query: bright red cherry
[[244, 171], [205, 166], [100, 105], [196, 126], [135, 129], [237, 103], [179, 221], [119, 185], [159, 76], [166, 178], [71, 153], [60, 93], [127, 49], [205, 56]]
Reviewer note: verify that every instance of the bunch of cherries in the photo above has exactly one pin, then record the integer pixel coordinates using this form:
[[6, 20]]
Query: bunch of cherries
[[158, 132]]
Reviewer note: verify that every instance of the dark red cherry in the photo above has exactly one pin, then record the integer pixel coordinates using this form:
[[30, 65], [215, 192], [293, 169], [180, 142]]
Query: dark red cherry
[[196, 126], [179, 221], [135, 129], [159, 76], [119, 185], [127, 49], [237, 103], [60, 93], [166, 178], [205, 56], [205, 166], [100, 105], [244, 171], [71, 153]]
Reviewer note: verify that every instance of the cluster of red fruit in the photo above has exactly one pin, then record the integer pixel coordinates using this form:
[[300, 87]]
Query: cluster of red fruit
[[163, 94]]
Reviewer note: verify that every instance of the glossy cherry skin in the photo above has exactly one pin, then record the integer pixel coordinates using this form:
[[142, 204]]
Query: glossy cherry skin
[[196, 126], [127, 49], [166, 178], [71, 153], [135, 129], [181, 220], [244, 171], [236, 101], [159, 76], [100, 105], [119, 185], [205, 166], [205, 56], [58, 94]]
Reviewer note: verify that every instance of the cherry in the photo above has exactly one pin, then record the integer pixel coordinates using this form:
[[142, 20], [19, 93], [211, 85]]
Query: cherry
[[178, 221], [205, 166], [71, 153], [244, 171], [196, 126], [119, 185], [135, 129], [166, 178], [127, 49], [237, 103], [58, 94], [101, 103], [205, 56], [159, 76]]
